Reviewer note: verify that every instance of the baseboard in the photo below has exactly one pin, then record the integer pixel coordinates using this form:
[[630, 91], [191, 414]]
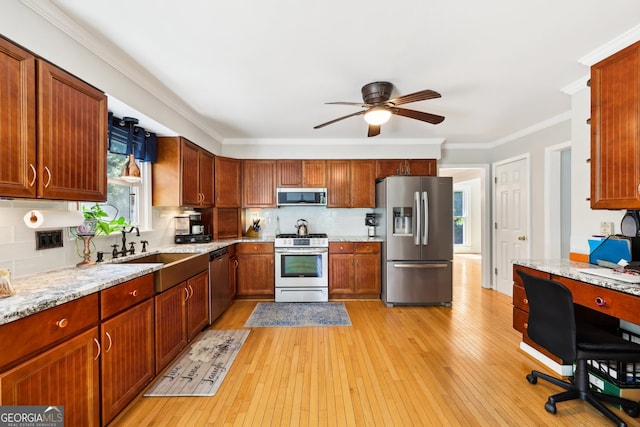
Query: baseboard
[[564, 370]]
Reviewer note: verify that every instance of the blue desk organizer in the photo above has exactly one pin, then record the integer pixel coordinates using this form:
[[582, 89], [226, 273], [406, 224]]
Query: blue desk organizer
[[609, 249]]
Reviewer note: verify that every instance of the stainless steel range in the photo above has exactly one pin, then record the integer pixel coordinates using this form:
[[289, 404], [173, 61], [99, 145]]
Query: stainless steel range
[[302, 268]]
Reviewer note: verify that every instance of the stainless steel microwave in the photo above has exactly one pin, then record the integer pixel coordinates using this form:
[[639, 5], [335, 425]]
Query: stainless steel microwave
[[302, 196]]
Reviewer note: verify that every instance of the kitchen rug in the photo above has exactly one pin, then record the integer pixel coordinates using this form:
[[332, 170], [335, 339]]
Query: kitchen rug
[[200, 371], [292, 314]]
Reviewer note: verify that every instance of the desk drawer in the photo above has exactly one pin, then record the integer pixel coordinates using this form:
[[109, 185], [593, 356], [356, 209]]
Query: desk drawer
[[520, 297], [520, 318], [607, 301]]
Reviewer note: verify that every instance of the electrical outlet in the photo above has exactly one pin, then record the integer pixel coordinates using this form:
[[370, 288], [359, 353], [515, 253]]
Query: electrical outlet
[[606, 228], [48, 239]]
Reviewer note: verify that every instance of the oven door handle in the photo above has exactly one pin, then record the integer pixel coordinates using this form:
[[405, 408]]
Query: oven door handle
[[301, 250]]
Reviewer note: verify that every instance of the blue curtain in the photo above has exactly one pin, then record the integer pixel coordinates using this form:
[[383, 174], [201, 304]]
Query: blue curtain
[[125, 137]]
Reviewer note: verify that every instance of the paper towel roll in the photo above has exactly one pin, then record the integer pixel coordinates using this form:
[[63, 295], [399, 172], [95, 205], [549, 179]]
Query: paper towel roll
[[53, 218]]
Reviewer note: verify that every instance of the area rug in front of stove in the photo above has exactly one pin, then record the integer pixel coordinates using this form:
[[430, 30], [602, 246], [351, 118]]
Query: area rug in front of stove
[[293, 314], [200, 371]]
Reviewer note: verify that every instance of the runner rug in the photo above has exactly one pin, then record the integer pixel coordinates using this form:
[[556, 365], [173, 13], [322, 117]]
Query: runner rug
[[270, 314], [200, 371]]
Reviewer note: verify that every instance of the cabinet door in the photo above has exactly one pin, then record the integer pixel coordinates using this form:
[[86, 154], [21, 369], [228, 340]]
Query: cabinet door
[[170, 324], [338, 185], [198, 303], [289, 173], [72, 137], [190, 179], [127, 357], [367, 274], [615, 145], [363, 184], [205, 171], [256, 275], [422, 167], [341, 275], [227, 182], [17, 122], [233, 275], [66, 375], [314, 173], [388, 167], [259, 183]]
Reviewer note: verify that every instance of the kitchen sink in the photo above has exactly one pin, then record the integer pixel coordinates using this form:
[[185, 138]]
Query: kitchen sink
[[176, 267]]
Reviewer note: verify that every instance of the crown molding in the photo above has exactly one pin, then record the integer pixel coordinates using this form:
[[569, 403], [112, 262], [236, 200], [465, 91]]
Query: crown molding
[[113, 56], [334, 141], [625, 39]]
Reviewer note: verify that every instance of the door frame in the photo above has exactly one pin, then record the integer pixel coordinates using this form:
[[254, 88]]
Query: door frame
[[527, 158], [485, 238], [552, 200]]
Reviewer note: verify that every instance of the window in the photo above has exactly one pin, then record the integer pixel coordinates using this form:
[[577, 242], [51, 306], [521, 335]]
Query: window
[[460, 217], [130, 200]]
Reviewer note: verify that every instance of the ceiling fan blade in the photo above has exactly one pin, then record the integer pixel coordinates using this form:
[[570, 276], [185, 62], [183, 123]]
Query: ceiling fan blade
[[418, 115], [415, 97], [339, 118], [357, 104], [373, 130]]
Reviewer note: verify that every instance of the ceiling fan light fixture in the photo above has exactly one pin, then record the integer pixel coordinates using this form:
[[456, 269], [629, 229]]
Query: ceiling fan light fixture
[[377, 116]]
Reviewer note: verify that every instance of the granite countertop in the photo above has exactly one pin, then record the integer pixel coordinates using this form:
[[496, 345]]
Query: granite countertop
[[567, 268], [40, 291]]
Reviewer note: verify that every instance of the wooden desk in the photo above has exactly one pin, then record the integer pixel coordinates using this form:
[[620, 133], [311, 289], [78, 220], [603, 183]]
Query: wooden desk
[[598, 300]]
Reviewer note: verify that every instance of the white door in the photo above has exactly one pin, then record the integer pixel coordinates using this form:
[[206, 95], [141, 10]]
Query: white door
[[511, 220]]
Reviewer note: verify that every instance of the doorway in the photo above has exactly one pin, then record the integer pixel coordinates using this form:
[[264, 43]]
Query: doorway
[[557, 201]]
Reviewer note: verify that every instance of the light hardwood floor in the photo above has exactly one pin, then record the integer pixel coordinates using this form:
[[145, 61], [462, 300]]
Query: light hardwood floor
[[401, 366]]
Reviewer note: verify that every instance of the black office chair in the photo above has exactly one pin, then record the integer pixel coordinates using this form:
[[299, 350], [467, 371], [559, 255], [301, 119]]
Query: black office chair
[[552, 325]]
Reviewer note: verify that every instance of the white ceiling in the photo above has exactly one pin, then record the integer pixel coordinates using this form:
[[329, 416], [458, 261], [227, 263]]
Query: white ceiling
[[264, 69]]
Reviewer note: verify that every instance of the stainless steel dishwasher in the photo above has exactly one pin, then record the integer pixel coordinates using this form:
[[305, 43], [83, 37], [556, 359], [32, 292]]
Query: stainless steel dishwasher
[[220, 291]]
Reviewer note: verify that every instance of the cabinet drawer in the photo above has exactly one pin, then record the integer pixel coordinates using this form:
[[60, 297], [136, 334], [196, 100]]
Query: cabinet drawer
[[520, 297], [254, 248], [367, 247], [520, 319], [613, 303], [33, 333], [341, 247], [125, 295]]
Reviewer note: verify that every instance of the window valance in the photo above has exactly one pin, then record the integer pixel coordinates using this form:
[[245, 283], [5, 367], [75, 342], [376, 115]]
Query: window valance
[[125, 138]]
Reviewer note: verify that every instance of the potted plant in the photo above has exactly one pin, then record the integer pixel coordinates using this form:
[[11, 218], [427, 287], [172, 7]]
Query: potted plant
[[96, 222]]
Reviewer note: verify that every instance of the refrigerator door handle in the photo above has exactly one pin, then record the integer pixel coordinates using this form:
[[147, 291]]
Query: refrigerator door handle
[[425, 227], [414, 265], [417, 218]]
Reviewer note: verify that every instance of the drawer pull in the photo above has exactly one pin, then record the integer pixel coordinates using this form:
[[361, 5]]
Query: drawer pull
[[526, 325], [600, 302], [134, 293], [526, 301], [62, 323]]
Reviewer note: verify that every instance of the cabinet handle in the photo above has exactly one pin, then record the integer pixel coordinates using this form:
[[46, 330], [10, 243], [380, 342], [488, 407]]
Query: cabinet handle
[[526, 325], [191, 289], [236, 263], [134, 293], [526, 301], [99, 348], [186, 291], [35, 174], [110, 342], [600, 302], [62, 323], [49, 177]]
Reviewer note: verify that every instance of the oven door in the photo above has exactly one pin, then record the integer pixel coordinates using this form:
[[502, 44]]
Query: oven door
[[302, 267]]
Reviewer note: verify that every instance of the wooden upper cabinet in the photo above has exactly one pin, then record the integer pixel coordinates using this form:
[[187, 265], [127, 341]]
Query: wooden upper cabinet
[[72, 137], [301, 173], [259, 183], [227, 182], [183, 174], [615, 139], [289, 173], [338, 185], [363, 184], [412, 167], [351, 183], [17, 122]]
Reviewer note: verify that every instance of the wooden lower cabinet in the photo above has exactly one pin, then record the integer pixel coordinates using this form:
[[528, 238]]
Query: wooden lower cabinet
[[180, 314], [354, 270], [256, 270], [66, 375], [127, 357]]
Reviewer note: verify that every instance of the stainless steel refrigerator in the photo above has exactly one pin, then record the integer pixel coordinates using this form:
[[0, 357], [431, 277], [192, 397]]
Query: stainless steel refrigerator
[[416, 223]]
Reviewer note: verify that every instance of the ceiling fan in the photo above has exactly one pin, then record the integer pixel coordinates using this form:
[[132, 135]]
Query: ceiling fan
[[378, 108]]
